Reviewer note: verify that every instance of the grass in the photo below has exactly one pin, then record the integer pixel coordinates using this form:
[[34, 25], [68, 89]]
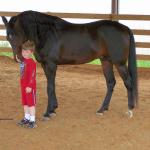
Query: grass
[[140, 63], [9, 54], [143, 63]]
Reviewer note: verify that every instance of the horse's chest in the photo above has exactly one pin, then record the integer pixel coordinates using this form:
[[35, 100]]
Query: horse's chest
[[38, 57]]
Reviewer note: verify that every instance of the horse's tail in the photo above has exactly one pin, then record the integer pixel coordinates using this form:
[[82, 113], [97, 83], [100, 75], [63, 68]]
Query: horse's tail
[[132, 68]]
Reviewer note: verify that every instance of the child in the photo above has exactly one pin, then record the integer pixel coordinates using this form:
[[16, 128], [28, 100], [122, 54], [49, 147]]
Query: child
[[28, 85]]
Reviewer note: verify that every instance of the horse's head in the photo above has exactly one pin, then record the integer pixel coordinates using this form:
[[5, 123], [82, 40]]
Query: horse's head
[[15, 35]]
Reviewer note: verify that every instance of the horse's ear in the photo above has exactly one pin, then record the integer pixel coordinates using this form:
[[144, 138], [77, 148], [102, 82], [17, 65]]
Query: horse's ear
[[4, 20]]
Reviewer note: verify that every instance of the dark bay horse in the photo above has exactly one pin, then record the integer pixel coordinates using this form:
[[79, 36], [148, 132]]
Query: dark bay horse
[[59, 42]]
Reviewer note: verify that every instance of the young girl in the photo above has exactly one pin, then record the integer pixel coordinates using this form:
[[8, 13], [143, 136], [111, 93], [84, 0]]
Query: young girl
[[28, 85]]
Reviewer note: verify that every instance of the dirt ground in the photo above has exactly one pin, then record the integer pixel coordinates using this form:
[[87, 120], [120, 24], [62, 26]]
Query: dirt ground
[[80, 91]]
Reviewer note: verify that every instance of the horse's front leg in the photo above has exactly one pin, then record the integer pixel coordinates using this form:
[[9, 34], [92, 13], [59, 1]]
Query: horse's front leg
[[50, 72]]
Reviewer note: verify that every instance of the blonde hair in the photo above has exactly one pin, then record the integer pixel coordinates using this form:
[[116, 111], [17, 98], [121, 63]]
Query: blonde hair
[[28, 45]]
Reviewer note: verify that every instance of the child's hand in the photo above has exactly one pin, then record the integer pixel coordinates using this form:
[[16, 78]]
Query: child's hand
[[28, 90]]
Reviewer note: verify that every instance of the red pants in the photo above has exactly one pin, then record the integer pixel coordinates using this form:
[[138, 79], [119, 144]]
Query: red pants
[[28, 99]]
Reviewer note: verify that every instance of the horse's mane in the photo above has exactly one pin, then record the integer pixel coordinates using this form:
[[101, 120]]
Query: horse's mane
[[36, 25], [37, 16]]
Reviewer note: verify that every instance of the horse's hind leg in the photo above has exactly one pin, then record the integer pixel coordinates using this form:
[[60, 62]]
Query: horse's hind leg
[[123, 71], [110, 81]]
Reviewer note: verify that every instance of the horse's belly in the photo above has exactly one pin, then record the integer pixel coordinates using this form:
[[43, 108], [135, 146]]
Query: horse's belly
[[80, 57]]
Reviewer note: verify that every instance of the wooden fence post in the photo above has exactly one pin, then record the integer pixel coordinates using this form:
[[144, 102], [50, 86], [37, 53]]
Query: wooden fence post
[[114, 8]]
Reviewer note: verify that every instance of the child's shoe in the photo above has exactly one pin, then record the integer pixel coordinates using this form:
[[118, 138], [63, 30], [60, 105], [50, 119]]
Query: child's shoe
[[23, 122], [31, 124]]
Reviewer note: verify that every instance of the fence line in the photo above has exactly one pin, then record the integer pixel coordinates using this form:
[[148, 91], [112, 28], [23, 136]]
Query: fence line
[[94, 16]]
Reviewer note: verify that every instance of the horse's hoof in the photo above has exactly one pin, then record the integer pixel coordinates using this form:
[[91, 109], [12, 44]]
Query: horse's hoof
[[99, 113], [129, 113], [51, 115], [47, 117]]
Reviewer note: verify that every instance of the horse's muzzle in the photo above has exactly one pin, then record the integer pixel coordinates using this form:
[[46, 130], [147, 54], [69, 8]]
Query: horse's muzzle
[[17, 59]]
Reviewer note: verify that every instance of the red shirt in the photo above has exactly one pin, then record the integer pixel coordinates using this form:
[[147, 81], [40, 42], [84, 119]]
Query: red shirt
[[28, 73]]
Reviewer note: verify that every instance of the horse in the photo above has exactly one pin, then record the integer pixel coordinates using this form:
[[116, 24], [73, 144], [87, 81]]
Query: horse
[[59, 42]]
